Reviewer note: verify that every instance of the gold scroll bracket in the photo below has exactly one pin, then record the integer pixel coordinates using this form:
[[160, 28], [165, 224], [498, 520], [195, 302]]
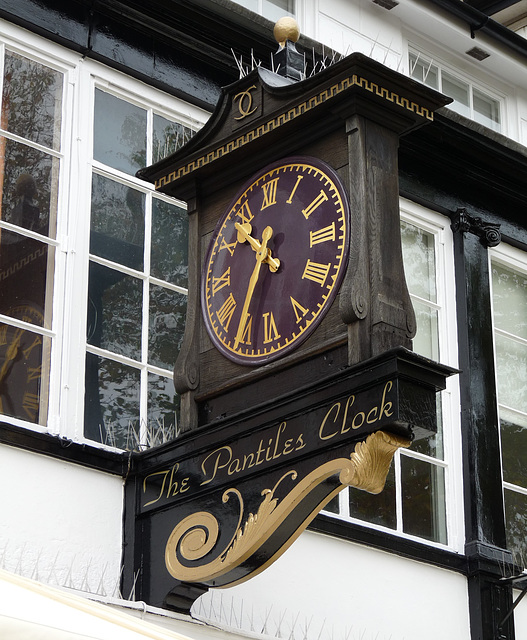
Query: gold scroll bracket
[[190, 553]]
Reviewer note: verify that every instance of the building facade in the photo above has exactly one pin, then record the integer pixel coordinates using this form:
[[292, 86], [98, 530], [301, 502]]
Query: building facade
[[94, 295]]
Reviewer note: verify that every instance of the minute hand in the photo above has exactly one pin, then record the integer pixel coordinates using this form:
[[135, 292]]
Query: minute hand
[[261, 255]]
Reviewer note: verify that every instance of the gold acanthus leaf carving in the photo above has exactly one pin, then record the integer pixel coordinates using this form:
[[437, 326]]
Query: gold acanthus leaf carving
[[371, 461], [196, 536]]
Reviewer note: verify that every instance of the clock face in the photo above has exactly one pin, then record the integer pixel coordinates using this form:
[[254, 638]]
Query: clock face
[[276, 260], [21, 365]]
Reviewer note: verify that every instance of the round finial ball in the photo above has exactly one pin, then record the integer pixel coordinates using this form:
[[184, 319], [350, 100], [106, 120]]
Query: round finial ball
[[286, 29]]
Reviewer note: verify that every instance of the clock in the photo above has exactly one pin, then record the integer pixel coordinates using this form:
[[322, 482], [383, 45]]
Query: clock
[[276, 260], [21, 365]]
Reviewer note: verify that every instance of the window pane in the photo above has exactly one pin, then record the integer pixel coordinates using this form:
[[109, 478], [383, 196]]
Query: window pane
[[29, 182], [423, 70], [516, 517], [169, 254], [24, 365], [423, 499], [163, 405], [426, 341], [32, 101], [168, 137], [511, 362], [112, 402], [115, 311], [457, 90], [167, 324], [419, 261], [24, 275], [117, 222], [119, 133], [432, 445], [376, 509], [509, 296], [276, 9], [514, 447], [486, 110]]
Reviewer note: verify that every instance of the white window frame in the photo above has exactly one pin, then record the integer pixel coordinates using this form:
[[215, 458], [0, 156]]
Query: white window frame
[[465, 78], [515, 259], [65, 416], [439, 226]]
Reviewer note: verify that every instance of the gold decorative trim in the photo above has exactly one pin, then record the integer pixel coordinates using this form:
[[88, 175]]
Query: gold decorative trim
[[292, 114], [196, 535]]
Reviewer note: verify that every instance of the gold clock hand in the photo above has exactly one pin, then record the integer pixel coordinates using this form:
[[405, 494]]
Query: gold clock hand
[[11, 354], [261, 256], [244, 234]]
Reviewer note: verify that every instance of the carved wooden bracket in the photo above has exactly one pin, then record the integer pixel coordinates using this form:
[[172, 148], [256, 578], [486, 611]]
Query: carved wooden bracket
[[489, 234]]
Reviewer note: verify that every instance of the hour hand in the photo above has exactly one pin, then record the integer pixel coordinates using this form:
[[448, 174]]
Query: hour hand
[[244, 234]]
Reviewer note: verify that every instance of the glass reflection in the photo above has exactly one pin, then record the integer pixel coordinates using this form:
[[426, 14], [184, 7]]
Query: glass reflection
[[119, 137], [426, 341], [511, 362], [163, 407], [24, 360], [509, 294], [117, 222], [169, 254], [168, 137], [166, 326], [111, 403], [376, 509], [24, 273], [114, 311], [423, 499], [32, 100], [514, 447], [29, 187], [419, 261], [516, 517]]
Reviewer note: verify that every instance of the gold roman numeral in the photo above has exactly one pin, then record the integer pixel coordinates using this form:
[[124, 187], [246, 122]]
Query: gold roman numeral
[[30, 403], [225, 312], [246, 334], [322, 235], [270, 330], [245, 213], [299, 310], [36, 342], [322, 197], [290, 199], [222, 281], [269, 192], [230, 247], [316, 272], [34, 373]]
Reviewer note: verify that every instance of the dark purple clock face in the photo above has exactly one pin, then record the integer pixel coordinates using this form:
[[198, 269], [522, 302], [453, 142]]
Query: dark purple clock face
[[276, 260]]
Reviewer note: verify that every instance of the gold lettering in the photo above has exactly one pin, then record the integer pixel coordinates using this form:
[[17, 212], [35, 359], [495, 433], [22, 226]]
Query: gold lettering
[[290, 199], [316, 272], [226, 311], [358, 426], [270, 330], [349, 402], [299, 310], [300, 444], [245, 213], [234, 467], [269, 192], [230, 247], [323, 424], [386, 407], [281, 429], [218, 456], [222, 281], [247, 457], [322, 197], [288, 447], [374, 419], [151, 475], [326, 234]]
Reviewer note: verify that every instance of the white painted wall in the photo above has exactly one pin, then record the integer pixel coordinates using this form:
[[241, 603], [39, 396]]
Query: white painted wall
[[329, 589], [60, 523]]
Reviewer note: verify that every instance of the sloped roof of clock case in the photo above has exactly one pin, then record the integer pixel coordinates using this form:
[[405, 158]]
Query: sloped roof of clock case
[[259, 117]]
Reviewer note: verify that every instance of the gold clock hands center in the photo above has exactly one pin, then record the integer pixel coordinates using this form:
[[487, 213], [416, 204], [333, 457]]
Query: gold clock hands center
[[261, 256], [244, 234]]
